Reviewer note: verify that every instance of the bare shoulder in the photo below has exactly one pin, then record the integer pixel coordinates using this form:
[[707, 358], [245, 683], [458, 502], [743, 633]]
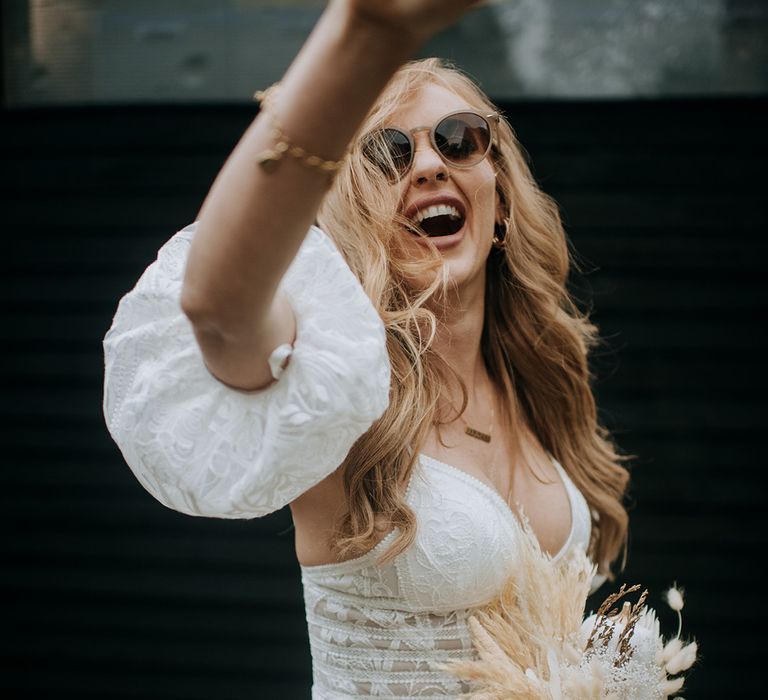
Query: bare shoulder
[[315, 514]]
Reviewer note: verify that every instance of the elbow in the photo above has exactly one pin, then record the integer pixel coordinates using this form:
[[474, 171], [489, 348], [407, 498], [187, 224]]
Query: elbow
[[205, 322], [197, 304], [210, 320], [193, 303], [198, 313]]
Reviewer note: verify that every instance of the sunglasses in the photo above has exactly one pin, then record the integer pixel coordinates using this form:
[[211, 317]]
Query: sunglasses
[[462, 139]]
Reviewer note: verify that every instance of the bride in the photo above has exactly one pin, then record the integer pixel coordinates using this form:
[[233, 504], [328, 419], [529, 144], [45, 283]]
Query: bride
[[369, 323]]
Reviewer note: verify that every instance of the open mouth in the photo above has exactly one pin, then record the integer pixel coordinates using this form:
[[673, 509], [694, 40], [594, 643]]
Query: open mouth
[[439, 220]]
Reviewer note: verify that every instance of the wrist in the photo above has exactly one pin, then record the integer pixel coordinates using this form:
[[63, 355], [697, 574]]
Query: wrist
[[390, 38]]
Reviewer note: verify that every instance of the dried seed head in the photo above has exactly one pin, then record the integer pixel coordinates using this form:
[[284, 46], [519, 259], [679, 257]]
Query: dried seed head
[[674, 597]]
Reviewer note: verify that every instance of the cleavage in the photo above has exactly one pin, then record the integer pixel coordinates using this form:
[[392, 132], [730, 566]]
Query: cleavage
[[532, 488]]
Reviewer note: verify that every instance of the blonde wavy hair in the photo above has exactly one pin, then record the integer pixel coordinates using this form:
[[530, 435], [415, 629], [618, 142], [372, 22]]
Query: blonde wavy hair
[[535, 340]]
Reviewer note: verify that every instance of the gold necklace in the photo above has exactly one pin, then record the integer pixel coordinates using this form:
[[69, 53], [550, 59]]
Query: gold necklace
[[478, 434]]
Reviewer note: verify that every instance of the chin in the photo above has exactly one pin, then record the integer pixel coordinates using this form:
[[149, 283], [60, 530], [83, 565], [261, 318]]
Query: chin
[[463, 276], [463, 270]]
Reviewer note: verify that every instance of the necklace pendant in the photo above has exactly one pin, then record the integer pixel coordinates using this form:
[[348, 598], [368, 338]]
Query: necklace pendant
[[485, 437]]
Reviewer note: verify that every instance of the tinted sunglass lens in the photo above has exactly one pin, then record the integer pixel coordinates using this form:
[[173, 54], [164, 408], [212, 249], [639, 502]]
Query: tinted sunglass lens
[[390, 150], [463, 139], [399, 147]]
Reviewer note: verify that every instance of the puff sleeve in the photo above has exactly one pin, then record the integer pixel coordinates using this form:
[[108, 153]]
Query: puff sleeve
[[203, 448]]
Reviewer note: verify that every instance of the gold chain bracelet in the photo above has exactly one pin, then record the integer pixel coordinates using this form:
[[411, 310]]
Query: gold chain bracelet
[[269, 158]]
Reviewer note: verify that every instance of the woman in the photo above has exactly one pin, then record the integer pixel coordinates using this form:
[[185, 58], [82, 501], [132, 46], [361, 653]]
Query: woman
[[411, 389]]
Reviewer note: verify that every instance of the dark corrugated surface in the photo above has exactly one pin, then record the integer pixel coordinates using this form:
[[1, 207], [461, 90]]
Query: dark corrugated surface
[[108, 595]]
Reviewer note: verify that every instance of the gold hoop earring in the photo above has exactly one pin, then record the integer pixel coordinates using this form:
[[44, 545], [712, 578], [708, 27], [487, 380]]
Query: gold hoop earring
[[500, 233]]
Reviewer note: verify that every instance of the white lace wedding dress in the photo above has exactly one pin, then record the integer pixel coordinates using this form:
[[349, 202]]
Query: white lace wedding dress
[[205, 449]]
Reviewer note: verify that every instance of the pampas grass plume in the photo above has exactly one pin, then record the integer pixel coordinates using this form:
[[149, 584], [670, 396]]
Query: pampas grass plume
[[532, 644]]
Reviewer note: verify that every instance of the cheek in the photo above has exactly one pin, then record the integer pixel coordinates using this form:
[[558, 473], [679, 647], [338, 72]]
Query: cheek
[[486, 182], [486, 202]]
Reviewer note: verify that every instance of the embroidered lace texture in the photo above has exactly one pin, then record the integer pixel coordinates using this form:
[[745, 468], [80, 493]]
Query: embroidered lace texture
[[202, 448], [384, 631]]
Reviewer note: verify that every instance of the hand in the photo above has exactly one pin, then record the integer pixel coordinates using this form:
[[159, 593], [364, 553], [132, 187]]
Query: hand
[[416, 20]]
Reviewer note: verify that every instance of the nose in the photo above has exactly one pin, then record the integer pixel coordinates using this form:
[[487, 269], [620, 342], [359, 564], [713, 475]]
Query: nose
[[427, 164]]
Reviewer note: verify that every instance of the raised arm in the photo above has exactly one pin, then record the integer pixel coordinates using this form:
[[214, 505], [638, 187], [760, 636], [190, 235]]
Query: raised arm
[[253, 221]]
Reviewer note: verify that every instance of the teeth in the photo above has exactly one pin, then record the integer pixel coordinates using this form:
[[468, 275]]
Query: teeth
[[437, 210]]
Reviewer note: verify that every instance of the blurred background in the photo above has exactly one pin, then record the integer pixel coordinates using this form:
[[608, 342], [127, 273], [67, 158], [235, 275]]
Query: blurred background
[[645, 119]]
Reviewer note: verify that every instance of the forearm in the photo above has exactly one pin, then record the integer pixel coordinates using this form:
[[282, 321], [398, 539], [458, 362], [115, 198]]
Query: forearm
[[253, 222]]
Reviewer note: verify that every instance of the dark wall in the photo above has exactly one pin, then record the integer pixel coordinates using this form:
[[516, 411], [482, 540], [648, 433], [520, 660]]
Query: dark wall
[[106, 594]]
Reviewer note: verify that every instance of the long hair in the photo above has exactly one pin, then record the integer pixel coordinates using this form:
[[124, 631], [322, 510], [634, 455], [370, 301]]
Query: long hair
[[535, 341]]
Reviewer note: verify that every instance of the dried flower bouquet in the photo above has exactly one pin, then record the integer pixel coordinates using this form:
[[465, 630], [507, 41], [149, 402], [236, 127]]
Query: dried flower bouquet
[[532, 643]]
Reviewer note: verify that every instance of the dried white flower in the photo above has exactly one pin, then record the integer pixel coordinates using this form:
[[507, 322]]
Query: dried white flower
[[673, 685], [674, 598], [546, 650], [672, 648], [682, 660]]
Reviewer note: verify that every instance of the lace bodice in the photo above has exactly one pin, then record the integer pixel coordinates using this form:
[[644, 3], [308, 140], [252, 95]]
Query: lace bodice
[[205, 449], [385, 630]]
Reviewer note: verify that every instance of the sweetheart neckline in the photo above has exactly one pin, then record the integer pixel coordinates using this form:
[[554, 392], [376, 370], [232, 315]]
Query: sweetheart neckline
[[350, 565], [507, 509]]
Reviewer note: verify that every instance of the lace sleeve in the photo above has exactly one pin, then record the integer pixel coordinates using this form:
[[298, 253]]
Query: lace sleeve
[[203, 448]]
